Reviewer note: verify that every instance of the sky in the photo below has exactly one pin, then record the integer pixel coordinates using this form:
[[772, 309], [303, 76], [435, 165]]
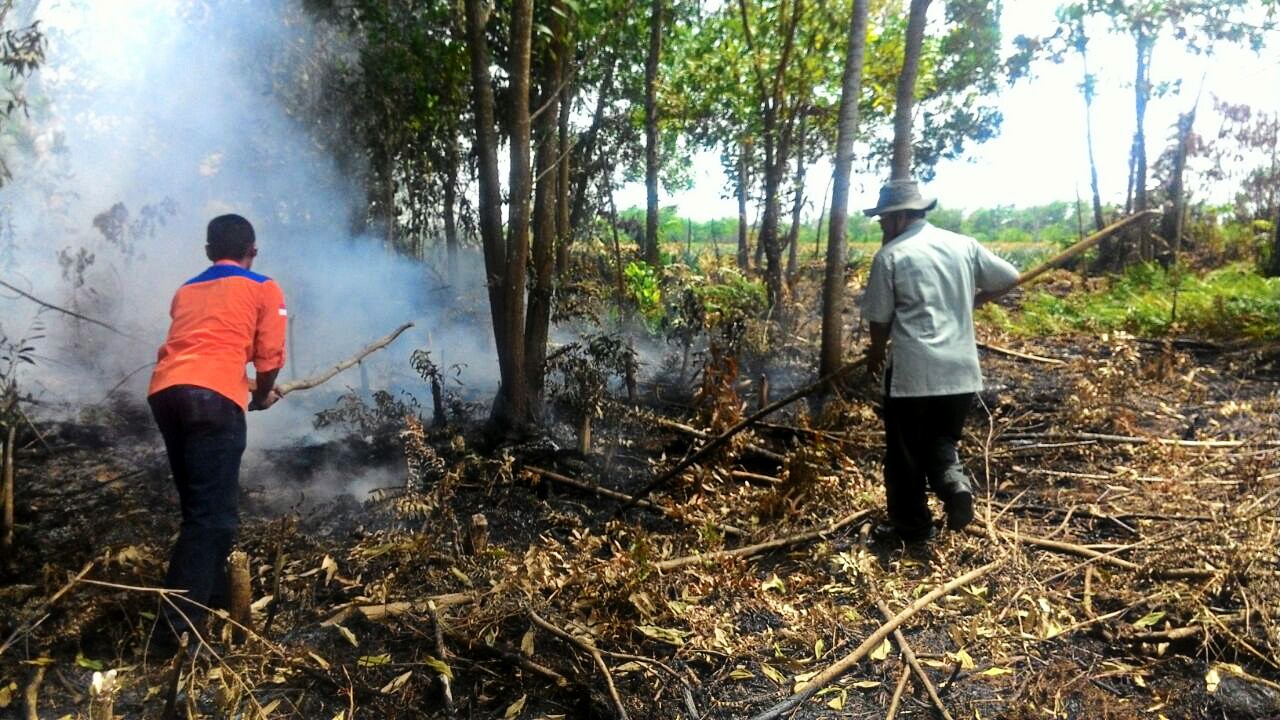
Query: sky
[[1040, 155]]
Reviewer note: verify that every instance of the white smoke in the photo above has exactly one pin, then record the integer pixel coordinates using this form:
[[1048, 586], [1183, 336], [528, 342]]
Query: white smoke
[[172, 109]]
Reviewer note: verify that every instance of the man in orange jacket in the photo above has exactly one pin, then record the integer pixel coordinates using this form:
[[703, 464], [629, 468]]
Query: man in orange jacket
[[222, 319]]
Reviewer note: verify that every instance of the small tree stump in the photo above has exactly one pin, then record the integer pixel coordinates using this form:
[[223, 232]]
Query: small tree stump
[[584, 434], [239, 593], [102, 695], [478, 532], [764, 390]]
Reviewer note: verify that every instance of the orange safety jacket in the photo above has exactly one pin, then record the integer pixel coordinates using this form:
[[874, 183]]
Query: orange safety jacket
[[223, 319]]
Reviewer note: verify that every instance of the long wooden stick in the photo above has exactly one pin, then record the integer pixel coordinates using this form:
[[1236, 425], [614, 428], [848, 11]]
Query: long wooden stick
[[727, 435], [841, 666], [325, 375], [1080, 247]]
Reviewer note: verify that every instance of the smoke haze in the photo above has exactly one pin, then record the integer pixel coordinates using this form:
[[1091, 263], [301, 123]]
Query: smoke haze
[[170, 112]]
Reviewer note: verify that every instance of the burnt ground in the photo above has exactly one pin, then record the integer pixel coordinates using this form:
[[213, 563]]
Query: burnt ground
[[1158, 599]]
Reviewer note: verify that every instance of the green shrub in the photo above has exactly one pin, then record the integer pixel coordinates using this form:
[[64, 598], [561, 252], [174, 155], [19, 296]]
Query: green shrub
[[1233, 301]]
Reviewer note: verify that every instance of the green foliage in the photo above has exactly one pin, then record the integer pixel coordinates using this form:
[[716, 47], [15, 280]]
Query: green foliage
[[642, 287], [1233, 301]]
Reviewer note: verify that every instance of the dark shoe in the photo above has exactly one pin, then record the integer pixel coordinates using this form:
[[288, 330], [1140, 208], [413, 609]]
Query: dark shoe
[[885, 533], [959, 508]]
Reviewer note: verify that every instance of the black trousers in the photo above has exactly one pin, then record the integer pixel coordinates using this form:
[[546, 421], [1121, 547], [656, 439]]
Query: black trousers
[[921, 434], [204, 434]]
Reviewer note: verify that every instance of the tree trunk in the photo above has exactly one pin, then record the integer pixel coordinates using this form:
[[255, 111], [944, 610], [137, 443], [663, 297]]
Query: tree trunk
[[546, 213], [450, 199], [564, 230], [1099, 221], [833, 283], [744, 243], [1142, 92], [651, 133], [1171, 223], [793, 233], [489, 214], [906, 92], [584, 160], [1273, 267]]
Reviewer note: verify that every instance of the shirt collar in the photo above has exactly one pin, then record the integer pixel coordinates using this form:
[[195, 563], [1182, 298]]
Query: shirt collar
[[911, 230]]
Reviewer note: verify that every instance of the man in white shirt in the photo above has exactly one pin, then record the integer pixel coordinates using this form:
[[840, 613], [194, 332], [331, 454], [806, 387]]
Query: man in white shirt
[[923, 286]]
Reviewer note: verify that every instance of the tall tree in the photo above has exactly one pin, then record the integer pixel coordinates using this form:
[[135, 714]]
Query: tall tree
[[651, 165], [505, 258], [900, 166], [833, 282], [551, 70], [1072, 17]]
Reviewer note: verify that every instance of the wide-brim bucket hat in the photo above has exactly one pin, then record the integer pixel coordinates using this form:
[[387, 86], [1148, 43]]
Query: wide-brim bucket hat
[[900, 195]]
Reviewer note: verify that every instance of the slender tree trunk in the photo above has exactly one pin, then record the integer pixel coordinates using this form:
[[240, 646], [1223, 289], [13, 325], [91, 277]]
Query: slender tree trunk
[[744, 242], [1142, 92], [513, 396], [651, 133], [1171, 223], [833, 283], [450, 200], [489, 215], [564, 230], [585, 163], [906, 92], [617, 256], [546, 214], [1099, 221], [793, 233], [1273, 269]]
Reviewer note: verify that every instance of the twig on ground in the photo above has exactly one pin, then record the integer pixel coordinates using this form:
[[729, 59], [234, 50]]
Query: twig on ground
[[897, 693], [592, 651], [756, 549], [910, 657], [826, 677]]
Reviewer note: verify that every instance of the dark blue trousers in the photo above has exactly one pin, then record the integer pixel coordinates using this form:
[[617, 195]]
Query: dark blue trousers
[[204, 434], [920, 436]]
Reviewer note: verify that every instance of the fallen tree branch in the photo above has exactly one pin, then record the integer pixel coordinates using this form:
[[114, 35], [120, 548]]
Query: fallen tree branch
[[748, 550], [841, 666], [727, 435], [382, 611], [909, 655], [897, 693], [1106, 558], [591, 650], [65, 311], [1137, 440], [614, 494], [325, 375]]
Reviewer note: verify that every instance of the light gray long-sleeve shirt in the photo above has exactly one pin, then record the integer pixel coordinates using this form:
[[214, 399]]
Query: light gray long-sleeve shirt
[[922, 284]]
